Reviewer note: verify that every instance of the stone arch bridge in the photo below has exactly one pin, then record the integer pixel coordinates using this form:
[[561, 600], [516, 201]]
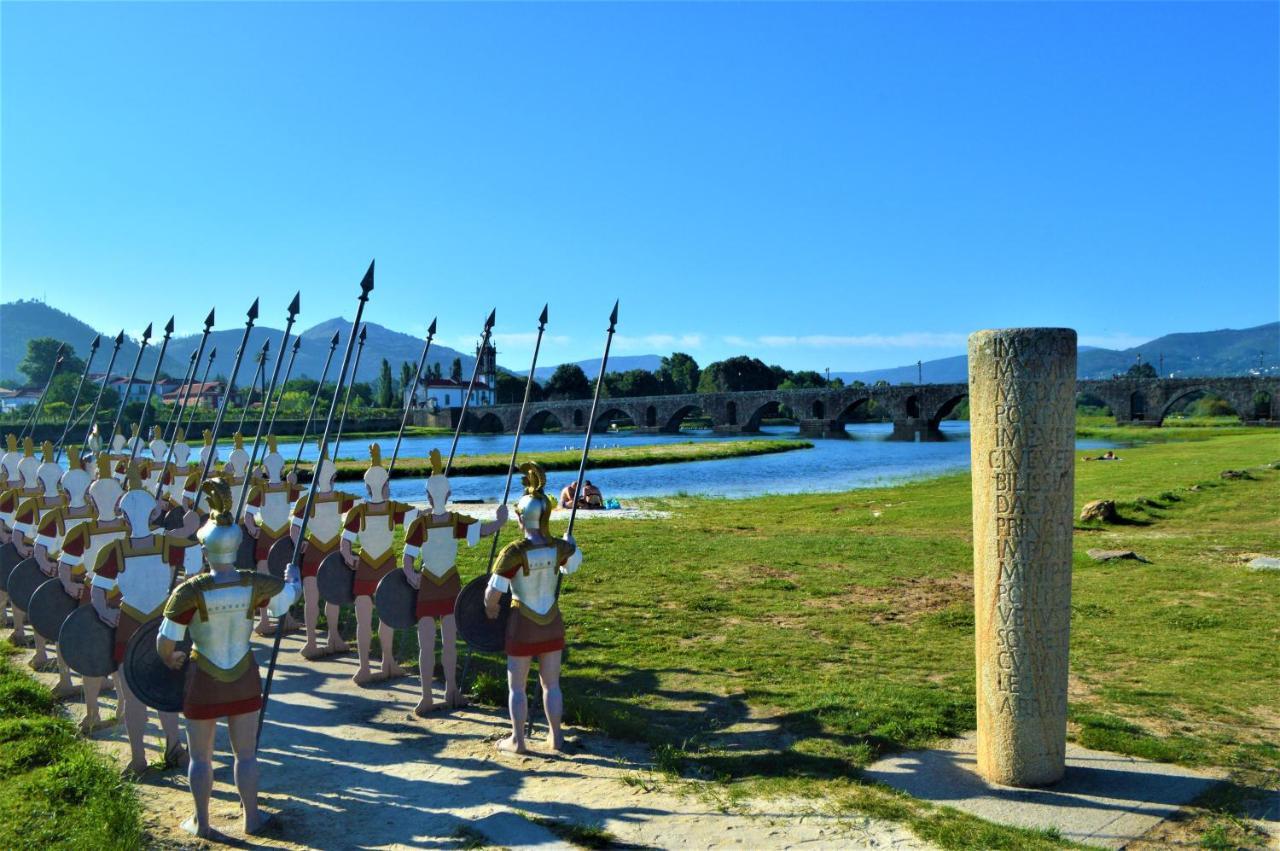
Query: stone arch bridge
[[916, 411]]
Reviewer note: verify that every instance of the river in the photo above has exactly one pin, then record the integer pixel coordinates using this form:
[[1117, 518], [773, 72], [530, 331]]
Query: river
[[867, 459]]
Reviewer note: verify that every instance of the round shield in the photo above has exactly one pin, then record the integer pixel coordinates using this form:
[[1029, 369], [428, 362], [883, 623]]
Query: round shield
[[336, 581], [87, 644], [279, 556], [488, 635], [245, 559], [155, 683], [174, 518], [9, 559], [50, 606], [23, 582], [396, 601]]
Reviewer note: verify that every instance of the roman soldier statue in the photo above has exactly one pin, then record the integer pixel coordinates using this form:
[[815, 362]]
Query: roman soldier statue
[[191, 498], [324, 531], [430, 554], [9, 490], [530, 569], [131, 582], [159, 449], [216, 609], [28, 487], [175, 472], [26, 522], [119, 454], [51, 530], [235, 472], [372, 522], [266, 516], [80, 549]]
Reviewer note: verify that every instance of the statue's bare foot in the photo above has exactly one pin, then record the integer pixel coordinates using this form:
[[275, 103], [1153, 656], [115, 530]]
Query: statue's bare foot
[[38, 661], [135, 769], [193, 826], [391, 671], [363, 676], [556, 743], [511, 745], [260, 824], [336, 646], [311, 650], [265, 629], [64, 690], [93, 723], [176, 756], [454, 699], [425, 707]]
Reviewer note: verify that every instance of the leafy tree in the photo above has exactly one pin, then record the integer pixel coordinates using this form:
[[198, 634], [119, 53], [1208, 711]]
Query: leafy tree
[[679, 373], [41, 353], [1141, 370], [510, 389], [737, 374], [295, 402], [302, 385], [455, 369], [386, 391], [806, 379], [633, 382], [406, 379], [568, 382]]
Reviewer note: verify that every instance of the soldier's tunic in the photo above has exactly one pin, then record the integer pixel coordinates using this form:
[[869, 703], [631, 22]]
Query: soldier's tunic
[[83, 543], [269, 504], [222, 679], [9, 497], [26, 519], [373, 525], [324, 528], [531, 572], [52, 530], [436, 539], [172, 483], [136, 575]]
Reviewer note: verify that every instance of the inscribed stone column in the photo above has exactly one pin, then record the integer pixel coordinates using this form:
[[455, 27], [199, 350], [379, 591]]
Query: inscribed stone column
[[1022, 386]]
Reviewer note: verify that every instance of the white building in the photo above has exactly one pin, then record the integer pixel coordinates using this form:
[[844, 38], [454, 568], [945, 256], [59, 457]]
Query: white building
[[441, 393]]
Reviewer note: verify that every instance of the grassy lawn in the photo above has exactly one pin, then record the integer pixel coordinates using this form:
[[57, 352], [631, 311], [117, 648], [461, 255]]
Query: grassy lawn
[[833, 628], [56, 791]]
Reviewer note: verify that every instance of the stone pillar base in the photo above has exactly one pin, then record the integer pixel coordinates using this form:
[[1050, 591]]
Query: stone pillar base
[[916, 431]]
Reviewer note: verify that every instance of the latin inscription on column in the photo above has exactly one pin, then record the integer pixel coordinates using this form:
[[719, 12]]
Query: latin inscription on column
[[1022, 417]]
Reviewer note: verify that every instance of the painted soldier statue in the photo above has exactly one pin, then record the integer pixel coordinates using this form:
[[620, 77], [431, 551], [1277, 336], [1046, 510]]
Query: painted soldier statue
[[80, 549], [372, 523], [430, 555], [25, 525], [28, 488], [235, 472], [324, 532], [267, 511], [175, 472], [10, 486], [531, 569], [191, 496], [132, 579], [217, 610]]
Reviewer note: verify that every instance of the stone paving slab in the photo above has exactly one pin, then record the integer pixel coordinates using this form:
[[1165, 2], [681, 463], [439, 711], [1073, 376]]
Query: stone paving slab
[[1105, 799]]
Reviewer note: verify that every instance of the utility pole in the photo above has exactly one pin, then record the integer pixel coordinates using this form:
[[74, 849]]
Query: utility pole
[[919, 372], [828, 376]]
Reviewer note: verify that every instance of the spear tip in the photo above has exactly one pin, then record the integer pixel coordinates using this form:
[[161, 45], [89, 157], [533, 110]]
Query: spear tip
[[364, 332], [208, 320], [194, 352], [493, 317], [431, 329], [366, 284], [213, 354], [296, 304], [253, 312], [333, 344], [613, 317], [120, 339], [297, 344], [97, 340], [146, 335], [542, 318], [266, 345], [168, 328]]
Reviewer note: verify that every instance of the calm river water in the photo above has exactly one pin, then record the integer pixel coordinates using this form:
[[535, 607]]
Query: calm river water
[[866, 460]]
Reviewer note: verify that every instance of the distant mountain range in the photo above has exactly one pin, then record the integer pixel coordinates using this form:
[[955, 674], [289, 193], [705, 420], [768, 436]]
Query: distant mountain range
[[1225, 352], [22, 320]]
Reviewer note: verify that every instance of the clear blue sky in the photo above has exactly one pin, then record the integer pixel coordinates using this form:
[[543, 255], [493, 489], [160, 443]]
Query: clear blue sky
[[844, 186]]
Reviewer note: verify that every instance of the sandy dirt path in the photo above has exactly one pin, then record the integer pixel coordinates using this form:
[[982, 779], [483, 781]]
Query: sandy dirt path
[[351, 767]]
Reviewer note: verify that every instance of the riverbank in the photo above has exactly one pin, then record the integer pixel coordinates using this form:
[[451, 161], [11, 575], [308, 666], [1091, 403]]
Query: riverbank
[[604, 458]]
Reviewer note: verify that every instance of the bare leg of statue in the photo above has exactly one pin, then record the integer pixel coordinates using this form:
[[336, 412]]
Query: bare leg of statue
[[426, 663], [387, 637], [200, 774], [244, 744], [364, 637], [449, 661], [552, 699], [517, 703]]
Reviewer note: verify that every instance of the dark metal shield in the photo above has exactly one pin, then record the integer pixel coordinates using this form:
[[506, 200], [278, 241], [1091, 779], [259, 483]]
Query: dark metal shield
[[477, 628], [173, 519], [155, 683], [279, 556], [50, 606], [336, 581], [396, 601], [23, 582], [9, 559], [87, 644], [245, 555]]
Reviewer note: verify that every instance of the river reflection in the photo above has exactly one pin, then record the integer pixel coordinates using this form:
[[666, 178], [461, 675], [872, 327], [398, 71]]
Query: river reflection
[[868, 459]]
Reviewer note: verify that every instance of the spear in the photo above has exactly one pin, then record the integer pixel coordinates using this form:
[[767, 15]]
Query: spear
[[366, 287], [515, 449], [183, 389], [124, 397], [180, 402], [230, 390], [342, 420], [591, 423], [408, 397], [294, 307], [35, 412], [146, 402], [471, 386], [75, 400], [213, 355], [288, 370], [93, 412], [253, 385], [306, 427]]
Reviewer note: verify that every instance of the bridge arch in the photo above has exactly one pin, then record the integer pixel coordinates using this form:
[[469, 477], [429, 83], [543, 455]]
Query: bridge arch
[[613, 414], [539, 421], [651, 417], [731, 412], [488, 423], [1263, 406], [946, 408], [771, 407], [1191, 394], [818, 409], [847, 413], [911, 405], [1138, 406]]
